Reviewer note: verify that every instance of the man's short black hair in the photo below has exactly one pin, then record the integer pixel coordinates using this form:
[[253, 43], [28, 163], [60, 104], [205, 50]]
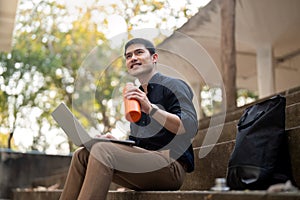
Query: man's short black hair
[[148, 45]]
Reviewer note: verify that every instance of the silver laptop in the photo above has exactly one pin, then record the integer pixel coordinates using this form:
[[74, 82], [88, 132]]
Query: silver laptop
[[76, 132]]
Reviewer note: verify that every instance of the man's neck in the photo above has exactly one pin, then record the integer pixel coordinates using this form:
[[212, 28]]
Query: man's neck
[[145, 79]]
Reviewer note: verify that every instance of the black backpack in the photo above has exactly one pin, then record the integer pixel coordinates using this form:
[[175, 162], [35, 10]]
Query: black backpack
[[260, 157]]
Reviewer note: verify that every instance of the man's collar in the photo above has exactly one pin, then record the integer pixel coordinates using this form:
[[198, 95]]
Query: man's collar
[[154, 79]]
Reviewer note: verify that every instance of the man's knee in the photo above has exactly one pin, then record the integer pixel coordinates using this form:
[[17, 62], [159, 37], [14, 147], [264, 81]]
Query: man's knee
[[81, 154]]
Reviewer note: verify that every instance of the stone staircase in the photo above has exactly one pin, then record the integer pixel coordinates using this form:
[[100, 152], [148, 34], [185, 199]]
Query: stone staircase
[[214, 165]]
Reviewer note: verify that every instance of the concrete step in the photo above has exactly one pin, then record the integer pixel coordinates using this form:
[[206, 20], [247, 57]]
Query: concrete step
[[228, 130], [208, 168], [292, 115], [223, 132], [25, 194], [169, 195], [202, 195], [56, 179], [292, 97], [294, 148]]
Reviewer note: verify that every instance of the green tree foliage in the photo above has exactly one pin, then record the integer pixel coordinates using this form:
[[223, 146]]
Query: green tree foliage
[[51, 47], [20, 86], [211, 98], [245, 97]]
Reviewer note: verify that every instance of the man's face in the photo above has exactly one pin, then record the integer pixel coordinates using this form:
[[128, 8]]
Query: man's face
[[138, 60]]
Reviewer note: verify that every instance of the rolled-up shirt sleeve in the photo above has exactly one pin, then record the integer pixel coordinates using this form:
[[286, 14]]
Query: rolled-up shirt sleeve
[[181, 103]]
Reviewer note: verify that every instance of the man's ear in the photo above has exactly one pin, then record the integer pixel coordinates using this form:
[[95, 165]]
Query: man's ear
[[154, 58]]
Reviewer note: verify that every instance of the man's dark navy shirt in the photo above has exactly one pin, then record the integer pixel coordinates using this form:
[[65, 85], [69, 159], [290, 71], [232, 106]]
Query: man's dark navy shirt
[[174, 96]]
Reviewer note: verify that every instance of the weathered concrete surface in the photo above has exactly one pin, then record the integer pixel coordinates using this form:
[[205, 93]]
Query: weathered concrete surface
[[169, 195], [212, 166], [20, 170], [207, 169], [294, 148]]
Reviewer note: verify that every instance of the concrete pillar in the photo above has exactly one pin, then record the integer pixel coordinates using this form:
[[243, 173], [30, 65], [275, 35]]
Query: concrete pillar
[[265, 71]]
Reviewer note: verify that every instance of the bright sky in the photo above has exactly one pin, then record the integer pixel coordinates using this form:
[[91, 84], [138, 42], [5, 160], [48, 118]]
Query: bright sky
[[121, 26]]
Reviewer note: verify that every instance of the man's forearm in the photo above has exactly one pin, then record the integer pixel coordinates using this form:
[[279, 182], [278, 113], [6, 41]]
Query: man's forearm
[[168, 120]]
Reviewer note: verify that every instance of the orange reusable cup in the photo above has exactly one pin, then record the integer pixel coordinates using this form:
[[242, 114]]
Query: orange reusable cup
[[132, 109]]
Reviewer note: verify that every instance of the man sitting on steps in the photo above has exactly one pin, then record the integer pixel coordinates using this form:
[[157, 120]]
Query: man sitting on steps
[[163, 153]]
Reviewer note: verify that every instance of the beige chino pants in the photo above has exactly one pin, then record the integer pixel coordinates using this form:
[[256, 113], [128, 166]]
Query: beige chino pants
[[91, 172]]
